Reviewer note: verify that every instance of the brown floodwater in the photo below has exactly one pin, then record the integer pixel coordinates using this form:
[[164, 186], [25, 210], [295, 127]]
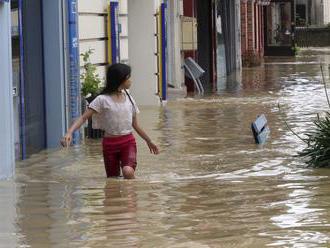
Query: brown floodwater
[[211, 186]]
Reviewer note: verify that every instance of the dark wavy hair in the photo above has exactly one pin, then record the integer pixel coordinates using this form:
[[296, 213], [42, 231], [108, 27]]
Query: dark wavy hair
[[116, 75]]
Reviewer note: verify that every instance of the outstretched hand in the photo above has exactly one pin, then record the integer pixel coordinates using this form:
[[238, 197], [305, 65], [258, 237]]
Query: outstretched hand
[[153, 148], [66, 140]]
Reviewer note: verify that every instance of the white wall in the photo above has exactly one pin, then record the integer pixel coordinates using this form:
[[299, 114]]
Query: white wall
[[123, 20], [317, 12], [137, 42], [93, 31], [326, 11], [174, 34], [319, 9], [142, 48], [7, 162]]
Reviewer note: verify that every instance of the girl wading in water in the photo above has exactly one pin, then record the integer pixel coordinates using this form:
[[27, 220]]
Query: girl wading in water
[[114, 111]]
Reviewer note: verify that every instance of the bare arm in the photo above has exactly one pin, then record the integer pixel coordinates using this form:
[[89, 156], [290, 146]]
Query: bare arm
[[153, 148], [66, 140]]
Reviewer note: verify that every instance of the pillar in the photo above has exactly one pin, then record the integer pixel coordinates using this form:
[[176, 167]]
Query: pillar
[[175, 72], [142, 49], [7, 155]]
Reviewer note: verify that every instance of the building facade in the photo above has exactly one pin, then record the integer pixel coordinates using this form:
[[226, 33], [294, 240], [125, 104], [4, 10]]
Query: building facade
[[7, 165], [43, 95], [279, 21], [136, 31], [252, 30], [312, 13], [211, 36], [30, 50]]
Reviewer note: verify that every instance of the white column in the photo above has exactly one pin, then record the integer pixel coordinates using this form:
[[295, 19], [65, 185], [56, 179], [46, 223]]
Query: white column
[[326, 12], [142, 49], [174, 34], [326, 5], [7, 155]]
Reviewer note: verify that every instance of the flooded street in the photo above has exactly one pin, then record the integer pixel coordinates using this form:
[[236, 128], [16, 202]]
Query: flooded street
[[211, 186]]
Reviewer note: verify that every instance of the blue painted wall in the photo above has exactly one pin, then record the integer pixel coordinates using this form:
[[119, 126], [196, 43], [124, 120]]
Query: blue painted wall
[[34, 87], [54, 70], [7, 157]]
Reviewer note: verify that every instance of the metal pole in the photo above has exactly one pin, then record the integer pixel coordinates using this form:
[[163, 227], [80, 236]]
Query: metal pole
[[163, 51]]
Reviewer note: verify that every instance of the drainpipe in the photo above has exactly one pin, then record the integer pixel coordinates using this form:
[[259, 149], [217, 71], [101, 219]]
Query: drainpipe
[[74, 75], [164, 50]]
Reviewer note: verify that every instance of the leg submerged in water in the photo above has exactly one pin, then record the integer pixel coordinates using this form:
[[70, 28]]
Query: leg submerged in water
[[128, 172], [128, 158]]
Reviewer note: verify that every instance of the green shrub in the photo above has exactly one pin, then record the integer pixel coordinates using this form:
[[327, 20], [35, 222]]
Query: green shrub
[[91, 82], [317, 152], [295, 49]]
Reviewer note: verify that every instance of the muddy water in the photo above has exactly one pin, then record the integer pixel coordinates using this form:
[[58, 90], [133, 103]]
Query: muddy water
[[211, 186]]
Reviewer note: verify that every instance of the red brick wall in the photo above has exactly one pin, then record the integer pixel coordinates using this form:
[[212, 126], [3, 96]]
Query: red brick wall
[[244, 42], [252, 33], [189, 8]]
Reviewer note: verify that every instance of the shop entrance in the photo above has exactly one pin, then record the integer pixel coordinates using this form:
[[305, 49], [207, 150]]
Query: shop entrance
[[279, 20], [28, 77]]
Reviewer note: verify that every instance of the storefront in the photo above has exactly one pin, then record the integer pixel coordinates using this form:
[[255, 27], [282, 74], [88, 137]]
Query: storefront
[[252, 31], [28, 80], [279, 28], [208, 37], [38, 73], [228, 36]]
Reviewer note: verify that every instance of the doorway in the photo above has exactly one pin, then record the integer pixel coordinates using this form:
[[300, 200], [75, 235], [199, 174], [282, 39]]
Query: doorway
[[28, 77], [279, 28]]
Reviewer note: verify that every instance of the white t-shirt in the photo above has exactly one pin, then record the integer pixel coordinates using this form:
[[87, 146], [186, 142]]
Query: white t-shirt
[[115, 118]]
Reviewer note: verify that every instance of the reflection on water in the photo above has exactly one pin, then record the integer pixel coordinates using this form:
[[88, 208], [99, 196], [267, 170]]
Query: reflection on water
[[210, 187]]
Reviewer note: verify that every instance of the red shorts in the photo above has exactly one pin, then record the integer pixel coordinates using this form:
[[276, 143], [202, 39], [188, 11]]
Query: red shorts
[[119, 152]]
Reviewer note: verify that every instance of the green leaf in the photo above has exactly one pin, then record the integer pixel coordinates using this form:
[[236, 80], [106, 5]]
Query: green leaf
[[90, 81]]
